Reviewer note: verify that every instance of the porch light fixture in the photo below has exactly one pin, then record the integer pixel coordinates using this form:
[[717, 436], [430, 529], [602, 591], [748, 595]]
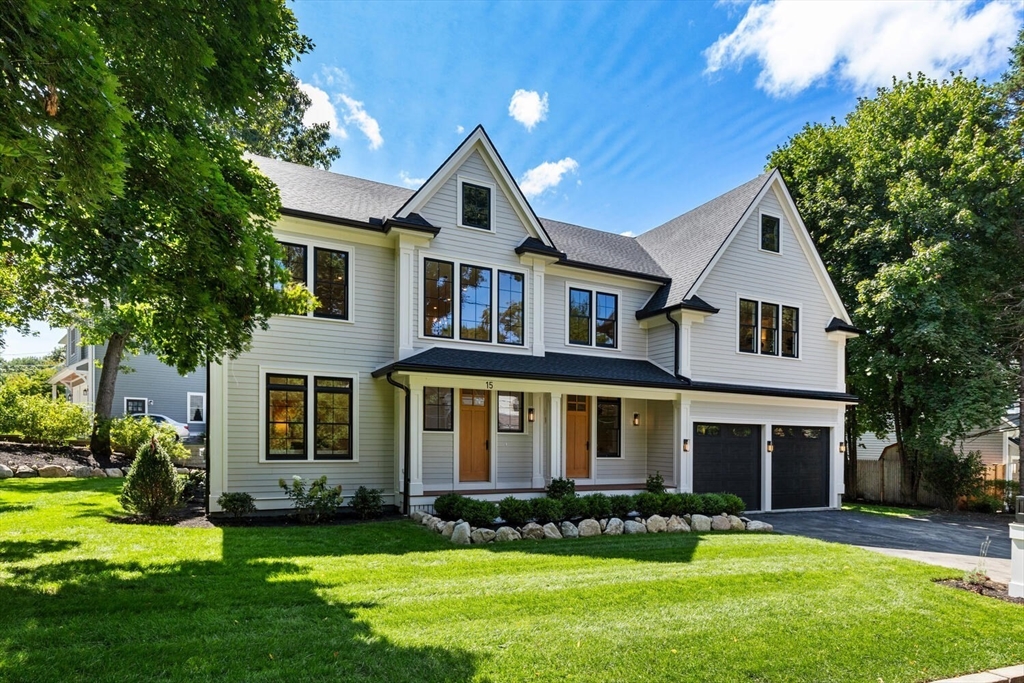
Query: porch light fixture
[[636, 419], [530, 416], [686, 445], [770, 447], [842, 446]]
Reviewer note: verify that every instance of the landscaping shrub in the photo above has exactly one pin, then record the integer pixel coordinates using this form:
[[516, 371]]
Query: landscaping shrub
[[621, 505], [954, 475], [368, 503], [597, 506], [734, 505], [671, 504], [449, 506], [656, 483], [40, 419], [237, 504], [152, 488], [573, 507], [714, 504], [546, 510], [314, 504], [986, 503], [479, 512], [514, 511], [193, 485], [1006, 490], [647, 503], [561, 488], [129, 434], [692, 503]]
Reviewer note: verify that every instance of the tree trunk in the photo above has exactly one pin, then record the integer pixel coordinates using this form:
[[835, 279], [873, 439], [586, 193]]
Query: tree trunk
[[99, 443], [851, 453], [1020, 434]]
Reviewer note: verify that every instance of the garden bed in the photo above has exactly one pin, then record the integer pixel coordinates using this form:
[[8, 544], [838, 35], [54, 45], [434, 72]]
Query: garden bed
[[990, 589]]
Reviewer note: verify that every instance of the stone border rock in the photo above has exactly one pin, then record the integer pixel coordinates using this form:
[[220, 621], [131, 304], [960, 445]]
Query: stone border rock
[[81, 472], [461, 533]]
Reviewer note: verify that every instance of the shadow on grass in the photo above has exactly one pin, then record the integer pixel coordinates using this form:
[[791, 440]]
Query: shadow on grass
[[19, 551]]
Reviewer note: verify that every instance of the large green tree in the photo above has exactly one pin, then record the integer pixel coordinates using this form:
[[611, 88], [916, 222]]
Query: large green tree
[[909, 201]]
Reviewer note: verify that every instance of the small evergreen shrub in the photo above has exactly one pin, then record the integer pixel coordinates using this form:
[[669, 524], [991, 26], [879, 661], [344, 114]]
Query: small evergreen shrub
[[692, 503], [479, 512], [368, 503], [573, 507], [986, 503], [152, 488], [193, 485], [546, 510], [656, 483], [648, 503], [954, 475], [561, 488], [621, 505], [597, 506], [514, 511], [237, 504], [734, 505], [449, 506], [315, 503], [672, 504], [714, 504]]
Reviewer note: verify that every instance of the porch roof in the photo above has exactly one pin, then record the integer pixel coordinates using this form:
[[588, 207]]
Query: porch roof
[[559, 367]]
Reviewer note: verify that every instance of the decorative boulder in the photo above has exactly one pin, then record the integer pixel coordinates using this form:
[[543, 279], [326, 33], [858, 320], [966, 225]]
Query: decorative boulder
[[736, 524], [114, 473], [81, 471], [569, 530], [635, 527], [97, 472], [675, 525], [604, 525], [589, 527], [656, 524], [52, 471], [439, 526], [482, 536], [759, 526], [720, 523], [460, 535], [428, 521], [700, 523], [551, 531], [6, 472], [24, 472], [506, 533], [448, 529], [534, 531], [686, 518], [615, 527]]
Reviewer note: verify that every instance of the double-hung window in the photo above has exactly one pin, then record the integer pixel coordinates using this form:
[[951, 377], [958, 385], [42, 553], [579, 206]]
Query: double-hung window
[[510, 411], [437, 409], [790, 331], [290, 412], [609, 427], [294, 261], [769, 329], [332, 418], [475, 298], [593, 318], [771, 233], [330, 282], [510, 308], [488, 311], [286, 417]]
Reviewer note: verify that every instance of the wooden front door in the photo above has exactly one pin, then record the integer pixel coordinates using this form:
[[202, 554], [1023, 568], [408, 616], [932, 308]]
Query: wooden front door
[[474, 435], [577, 437]]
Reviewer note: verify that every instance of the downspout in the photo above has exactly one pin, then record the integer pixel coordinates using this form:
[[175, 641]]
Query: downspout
[[407, 456], [206, 451], [675, 324]]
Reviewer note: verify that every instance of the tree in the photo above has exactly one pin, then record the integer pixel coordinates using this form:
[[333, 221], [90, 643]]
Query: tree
[[909, 201]]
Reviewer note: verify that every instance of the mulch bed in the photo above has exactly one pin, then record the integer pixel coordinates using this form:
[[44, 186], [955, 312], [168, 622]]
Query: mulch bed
[[989, 589], [14, 454]]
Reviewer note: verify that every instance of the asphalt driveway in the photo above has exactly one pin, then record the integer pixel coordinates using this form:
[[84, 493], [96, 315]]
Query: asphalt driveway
[[945, 539]]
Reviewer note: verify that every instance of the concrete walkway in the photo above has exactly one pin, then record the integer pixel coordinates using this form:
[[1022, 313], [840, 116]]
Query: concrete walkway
[[946, 539]]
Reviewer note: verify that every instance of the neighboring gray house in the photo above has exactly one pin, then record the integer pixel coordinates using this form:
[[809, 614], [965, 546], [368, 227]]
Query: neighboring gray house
[[150, 387], [462, 343]]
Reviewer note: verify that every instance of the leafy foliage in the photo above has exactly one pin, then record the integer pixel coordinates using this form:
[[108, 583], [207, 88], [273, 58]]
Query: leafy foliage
[[734, 505], [955, 475], [237, 504], [561, 488], [479, 512], [368, 503], [692, 503], [26, 410], [621, 505], [314, 503], [655, 483], [647, 503], [546, 510], [596, 506], [129, 434], [514, 511], [448, 506], [573, 507], [152, 487]]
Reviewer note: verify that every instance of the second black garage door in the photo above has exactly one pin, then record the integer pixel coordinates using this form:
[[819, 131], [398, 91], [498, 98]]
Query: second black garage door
[[799, 467], [727, 459]]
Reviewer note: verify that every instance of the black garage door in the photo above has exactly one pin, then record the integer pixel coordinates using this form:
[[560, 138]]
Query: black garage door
[[799, 467], [727, 459]]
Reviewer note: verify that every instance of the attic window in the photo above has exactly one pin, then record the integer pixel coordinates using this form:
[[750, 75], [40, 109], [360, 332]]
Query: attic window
[[476, 206], [770, 237]]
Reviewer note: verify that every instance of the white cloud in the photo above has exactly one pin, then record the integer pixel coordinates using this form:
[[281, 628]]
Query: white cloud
[[411, 182], [459, 130], [333, 77], [321, 110], [538, 180], [628, 233], [528, 107], [358, 117], [865, 43]]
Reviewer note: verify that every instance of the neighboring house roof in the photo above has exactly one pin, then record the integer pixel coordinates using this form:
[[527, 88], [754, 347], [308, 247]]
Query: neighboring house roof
[[608, 250], [685, 246]]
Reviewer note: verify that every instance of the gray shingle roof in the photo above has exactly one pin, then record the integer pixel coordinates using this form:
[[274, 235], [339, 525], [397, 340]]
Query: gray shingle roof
[[600, 248], [685, 245]]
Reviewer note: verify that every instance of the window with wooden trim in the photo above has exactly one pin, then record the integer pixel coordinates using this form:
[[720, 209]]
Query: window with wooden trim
[[609, 427], [475, 303], [790, 332], [437, 409], [437, 298], [769, 329], [286, 417], [748, 326], [771, 238], [606, 320], [579, 316], [510, 411], [330, 283], [511, 305], [332, 418], [476, 206]]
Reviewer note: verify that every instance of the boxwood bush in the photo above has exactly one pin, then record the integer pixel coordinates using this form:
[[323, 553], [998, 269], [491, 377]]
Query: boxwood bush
[[647, 503], [573, 507], [449, 506], [597, 505], [561, 488], [621, 505], [479, 512], [692, 503], [714, 504], [546, 510], [515, 511], [734, 505], [671, 504]]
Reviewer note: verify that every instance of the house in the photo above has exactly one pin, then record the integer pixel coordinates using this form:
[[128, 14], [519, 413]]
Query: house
[[146, 386], [465, 344]]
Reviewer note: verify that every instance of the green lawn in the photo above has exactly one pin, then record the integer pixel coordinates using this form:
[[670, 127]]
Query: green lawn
[[84, 599], [888, 510]]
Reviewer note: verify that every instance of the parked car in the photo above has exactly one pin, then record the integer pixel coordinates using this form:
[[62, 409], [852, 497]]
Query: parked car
[[180, 428]]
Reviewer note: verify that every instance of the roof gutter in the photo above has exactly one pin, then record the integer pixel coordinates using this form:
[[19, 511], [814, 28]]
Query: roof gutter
[[407, 454]]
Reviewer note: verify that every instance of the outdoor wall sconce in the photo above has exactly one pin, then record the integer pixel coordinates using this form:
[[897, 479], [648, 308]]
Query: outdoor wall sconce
[[636, 419], [686, 445], [842, 446], [770, 447], [530, 416]]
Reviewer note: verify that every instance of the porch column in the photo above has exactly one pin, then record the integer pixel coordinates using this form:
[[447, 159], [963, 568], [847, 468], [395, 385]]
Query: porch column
[[837, 487], [415, 440], [536, 400], [766, 468], [53, 392], [555, 417], [683, 459]]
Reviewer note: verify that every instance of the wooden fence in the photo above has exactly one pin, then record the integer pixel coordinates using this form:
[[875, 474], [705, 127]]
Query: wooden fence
[[878, 481]]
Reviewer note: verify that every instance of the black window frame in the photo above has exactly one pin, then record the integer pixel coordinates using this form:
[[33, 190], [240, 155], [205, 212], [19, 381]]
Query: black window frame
[[497, 402], [754, 327], [347, 284], [305, 261], [451, 299], [344, 391], [795, 332], [490, 303], [462, 208], [604, 401], [774, 330], [777, 233], [522, 302], [438, 391], [269, 386], [129, 401], [589, 317], [598, 320]]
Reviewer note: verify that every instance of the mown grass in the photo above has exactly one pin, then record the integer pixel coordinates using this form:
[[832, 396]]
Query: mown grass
[[82, 598], [888, 510]]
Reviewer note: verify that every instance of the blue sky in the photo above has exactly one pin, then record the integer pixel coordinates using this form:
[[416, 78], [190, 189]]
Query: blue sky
[[617, 116]]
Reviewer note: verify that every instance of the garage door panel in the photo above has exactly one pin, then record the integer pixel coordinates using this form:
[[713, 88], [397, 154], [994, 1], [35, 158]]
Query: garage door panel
[[727, 459], [800, 467]]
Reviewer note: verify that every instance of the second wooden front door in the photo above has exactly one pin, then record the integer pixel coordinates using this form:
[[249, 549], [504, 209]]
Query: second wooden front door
[[577, 437], [474, 435]]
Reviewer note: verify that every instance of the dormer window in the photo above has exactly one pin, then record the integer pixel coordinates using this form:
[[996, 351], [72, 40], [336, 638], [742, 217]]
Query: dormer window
[[475, 203], [771, 238]]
